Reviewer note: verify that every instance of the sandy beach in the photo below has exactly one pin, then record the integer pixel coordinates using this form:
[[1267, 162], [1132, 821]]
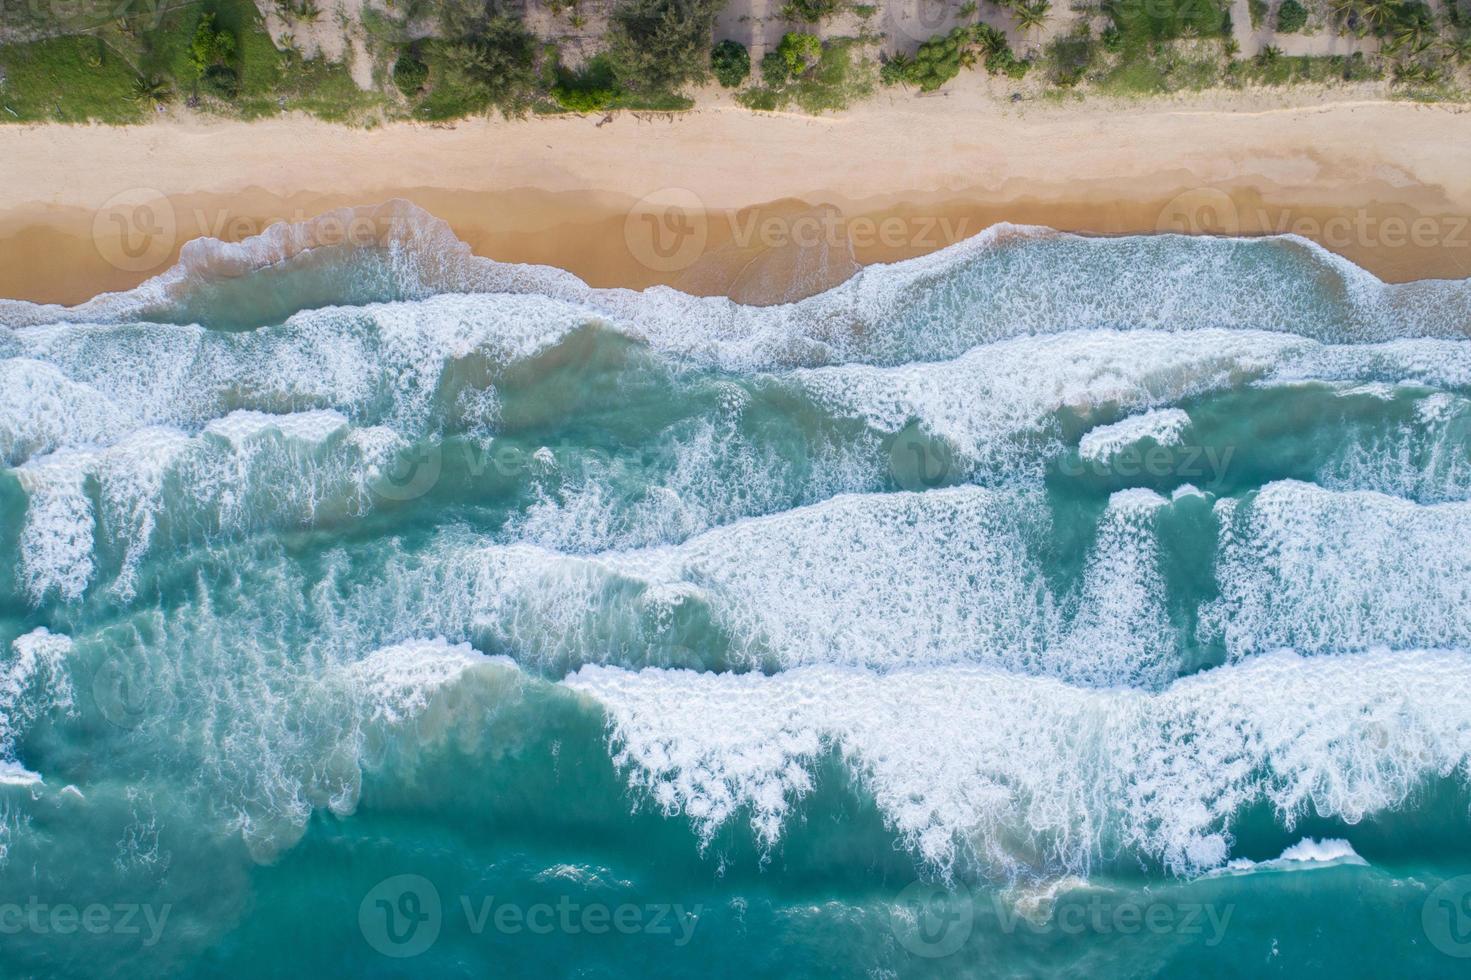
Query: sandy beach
[[720, 200]]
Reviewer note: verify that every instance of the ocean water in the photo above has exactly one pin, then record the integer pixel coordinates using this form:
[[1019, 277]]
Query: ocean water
[[1044, 606]]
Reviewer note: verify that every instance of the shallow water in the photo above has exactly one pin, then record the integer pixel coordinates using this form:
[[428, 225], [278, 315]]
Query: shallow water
[[1045, 605]]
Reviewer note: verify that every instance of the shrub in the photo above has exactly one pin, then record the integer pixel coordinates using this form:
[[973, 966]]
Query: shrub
[[799, 52], [731, 63], [774, 70], [656, 47], [210, 48], [938, 60], [1068, 58], [221, 80], [410, 73], [1003, 62], [988, 38], [593, 89], [496, 65], [895, 70], [1291, 17], [808, 11]]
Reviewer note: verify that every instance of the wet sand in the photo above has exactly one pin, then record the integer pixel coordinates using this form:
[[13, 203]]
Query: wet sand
[[765, 209]]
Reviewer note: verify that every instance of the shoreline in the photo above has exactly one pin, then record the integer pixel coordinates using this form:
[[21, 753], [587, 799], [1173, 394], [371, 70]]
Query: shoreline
[[763, 208]]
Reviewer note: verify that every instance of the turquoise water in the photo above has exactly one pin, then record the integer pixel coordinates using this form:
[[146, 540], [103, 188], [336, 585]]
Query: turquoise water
[[1045, 606]]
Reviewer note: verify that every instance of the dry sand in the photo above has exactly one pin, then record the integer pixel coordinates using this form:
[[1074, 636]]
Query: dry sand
[[765, 207]]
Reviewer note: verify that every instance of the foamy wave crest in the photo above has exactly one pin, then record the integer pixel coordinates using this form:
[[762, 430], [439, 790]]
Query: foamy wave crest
[[1306, 854], [1163, 427], [35, 680], [1006, 282], [409, 365], [1425, 458], [1030, 776], [881, 580], [1330, 572], [246, 470], [997, 406]]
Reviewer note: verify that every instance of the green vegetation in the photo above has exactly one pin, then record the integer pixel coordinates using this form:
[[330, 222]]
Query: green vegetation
[[593, 89], [492, 63], [1068, 57], [828, 78], [943, 56], [93, 60], [1141, 23], [809, 11], [410, 73], [124, 60], [1272, 67], [657, 47], [1291, 17], [731, 63], [67, 79]]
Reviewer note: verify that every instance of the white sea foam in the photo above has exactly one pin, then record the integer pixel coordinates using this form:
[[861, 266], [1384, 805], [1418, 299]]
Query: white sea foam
[[881, 580], [42, 410], [248, 469], [15, 774], [397, 681], [1306, 854], [1032, 776], [56, 539], [1007, 281], [995, 405], [1329, 572], [312, 428], [1164, 427], [1426, 460], [35, 679]]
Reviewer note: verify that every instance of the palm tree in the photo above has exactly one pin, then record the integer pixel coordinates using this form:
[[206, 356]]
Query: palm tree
[[989, 38], [1378, 14], [151, 89], [1460, 48], [1031, 16], [1409, 37]]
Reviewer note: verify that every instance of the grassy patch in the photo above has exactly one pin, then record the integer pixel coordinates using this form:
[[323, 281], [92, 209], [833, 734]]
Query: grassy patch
[[841, 75], [68, 79], [1278, 69], [115, 73], [1141, 23]]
